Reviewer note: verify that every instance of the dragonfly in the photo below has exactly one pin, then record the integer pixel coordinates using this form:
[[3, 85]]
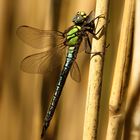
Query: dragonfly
[[61, 47]]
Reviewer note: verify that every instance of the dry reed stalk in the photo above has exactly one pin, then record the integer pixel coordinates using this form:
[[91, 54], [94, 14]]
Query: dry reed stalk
[[116, 115], [132, 121], [95, 78]]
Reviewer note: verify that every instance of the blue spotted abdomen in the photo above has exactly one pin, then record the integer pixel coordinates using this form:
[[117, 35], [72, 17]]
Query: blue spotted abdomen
[[73, 40]]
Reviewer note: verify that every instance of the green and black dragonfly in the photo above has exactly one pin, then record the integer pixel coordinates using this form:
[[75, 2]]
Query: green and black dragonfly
[[57, 43]]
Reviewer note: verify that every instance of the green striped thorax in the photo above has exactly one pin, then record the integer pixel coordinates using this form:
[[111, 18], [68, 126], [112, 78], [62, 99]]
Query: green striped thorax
[[71, 36]]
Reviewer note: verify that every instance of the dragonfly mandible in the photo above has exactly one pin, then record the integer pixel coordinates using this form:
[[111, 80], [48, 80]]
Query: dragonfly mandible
[[57, 43]]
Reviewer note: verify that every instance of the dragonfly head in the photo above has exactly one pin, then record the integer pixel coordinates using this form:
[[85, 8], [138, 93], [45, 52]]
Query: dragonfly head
[[79, 18]]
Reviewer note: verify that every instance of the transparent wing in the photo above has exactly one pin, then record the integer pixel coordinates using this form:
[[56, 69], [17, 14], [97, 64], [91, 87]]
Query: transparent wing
[[84, 46], [44, 62], [39, 38], [75, 72], [87, 47], [91, 16]]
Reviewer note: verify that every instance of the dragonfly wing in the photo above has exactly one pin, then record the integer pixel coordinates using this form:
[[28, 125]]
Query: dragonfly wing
[[39, 38], [91, 16], [43, 62], [75, 72], [84, 45]]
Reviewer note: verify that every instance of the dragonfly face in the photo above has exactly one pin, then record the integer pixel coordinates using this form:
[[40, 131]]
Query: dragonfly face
[[79, 18]]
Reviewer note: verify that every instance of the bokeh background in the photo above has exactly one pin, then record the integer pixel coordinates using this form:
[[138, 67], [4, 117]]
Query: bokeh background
[[24, 97]]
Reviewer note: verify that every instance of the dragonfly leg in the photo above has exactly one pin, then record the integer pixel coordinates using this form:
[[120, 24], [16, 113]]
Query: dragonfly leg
[[107, 45], [88, 45], [101, 30], [98, 53], [97, 18]]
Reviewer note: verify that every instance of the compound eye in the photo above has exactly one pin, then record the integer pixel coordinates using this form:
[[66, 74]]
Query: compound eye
[[79, 17], [82, 13]]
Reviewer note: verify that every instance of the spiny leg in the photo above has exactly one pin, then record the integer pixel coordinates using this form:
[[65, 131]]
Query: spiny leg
[[97, 18], [94, 33], [99, 31], [88, 44]]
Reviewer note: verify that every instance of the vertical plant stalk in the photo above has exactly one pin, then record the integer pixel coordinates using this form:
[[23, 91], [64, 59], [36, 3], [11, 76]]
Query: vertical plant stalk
[[133, 100], [119, 86], [95, 77]]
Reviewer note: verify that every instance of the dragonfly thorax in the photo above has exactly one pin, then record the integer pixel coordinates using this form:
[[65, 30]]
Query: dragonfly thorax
[[72, 36]]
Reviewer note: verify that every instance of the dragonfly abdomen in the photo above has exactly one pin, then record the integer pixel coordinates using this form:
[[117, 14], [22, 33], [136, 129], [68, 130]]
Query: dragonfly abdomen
[[73, 42], [59, 87]]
